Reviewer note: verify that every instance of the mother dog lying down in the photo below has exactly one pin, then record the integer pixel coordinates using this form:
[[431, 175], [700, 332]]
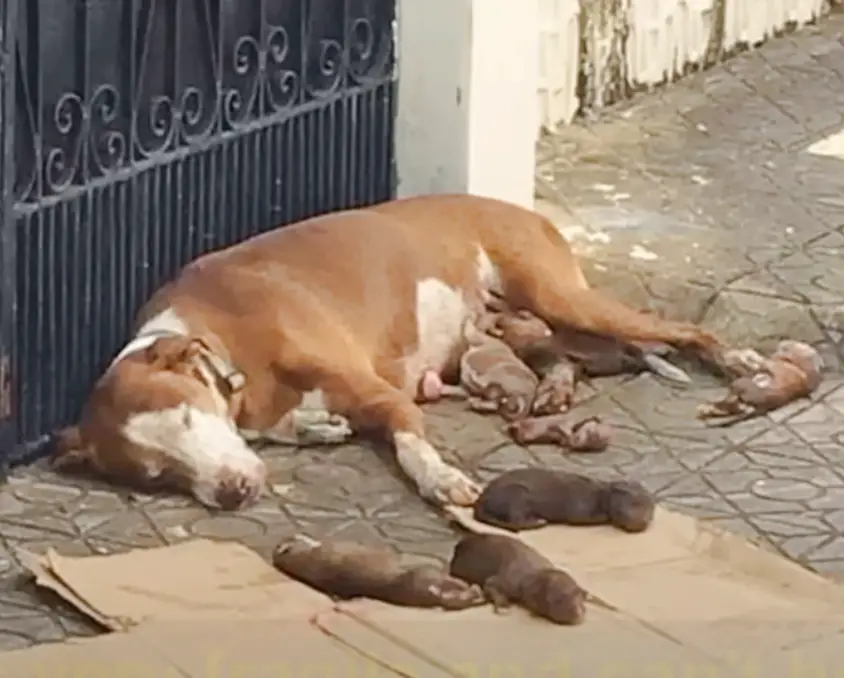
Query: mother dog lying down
[[308, 332]]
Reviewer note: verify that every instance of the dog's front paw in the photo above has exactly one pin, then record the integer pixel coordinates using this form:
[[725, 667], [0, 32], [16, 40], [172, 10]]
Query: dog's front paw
[[321, 428], [452, 486]]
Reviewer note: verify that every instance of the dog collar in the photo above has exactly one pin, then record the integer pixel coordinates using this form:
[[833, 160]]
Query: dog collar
[[234, 379]]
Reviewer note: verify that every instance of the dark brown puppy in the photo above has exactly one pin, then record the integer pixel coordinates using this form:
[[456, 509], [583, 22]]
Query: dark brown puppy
[[346, 570], [511, 572], [530, 498], [594, 355], [589, 434], [492, 379], [766, 384]]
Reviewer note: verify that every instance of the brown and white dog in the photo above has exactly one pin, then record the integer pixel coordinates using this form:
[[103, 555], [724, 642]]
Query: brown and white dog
[[312, 331]]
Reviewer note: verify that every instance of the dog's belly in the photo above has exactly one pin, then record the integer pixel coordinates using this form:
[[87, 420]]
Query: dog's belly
[[441, 315]]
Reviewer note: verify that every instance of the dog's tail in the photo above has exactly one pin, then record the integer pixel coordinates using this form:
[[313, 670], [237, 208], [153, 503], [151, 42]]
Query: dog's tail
[[69, 451], [62, 448], [29, 451], [592, 311], [56, 446]]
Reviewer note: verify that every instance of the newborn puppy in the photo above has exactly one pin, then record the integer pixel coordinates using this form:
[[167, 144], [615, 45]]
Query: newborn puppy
[[346, 570], [525, 499], [510, 571], [766, 384], [492, 379], [593, 355], [584, 435]]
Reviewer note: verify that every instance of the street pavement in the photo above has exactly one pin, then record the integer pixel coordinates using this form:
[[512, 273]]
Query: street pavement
[[718, 199]]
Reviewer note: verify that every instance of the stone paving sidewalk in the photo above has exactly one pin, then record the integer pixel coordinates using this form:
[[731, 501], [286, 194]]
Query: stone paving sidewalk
[[700, 200], [703, 199]]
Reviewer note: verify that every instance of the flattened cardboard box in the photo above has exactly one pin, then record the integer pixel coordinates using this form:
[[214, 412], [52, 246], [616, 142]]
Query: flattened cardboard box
[[214, 649], [199, 579], [674, 542], [194, 610], [206, 608]]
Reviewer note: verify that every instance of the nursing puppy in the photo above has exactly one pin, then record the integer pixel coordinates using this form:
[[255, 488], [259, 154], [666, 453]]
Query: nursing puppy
[[347, 570], [492, 379], [526, 499]]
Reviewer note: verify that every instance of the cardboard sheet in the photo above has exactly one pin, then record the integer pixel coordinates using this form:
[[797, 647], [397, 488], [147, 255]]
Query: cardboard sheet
[[685, 594], [673, 542], [198, 579], [215, 649], [477, 642], [198, 609]]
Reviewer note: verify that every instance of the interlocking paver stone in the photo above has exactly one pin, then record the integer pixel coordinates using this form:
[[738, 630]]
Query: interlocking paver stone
[[699, 200]]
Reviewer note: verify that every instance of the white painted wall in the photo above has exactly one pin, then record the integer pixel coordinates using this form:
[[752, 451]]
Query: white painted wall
[[664, 37], [467, 108]]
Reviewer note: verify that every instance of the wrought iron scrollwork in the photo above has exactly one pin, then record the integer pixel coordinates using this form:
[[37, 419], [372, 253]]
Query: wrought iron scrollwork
[[326, 68], [246, 66], [370, 49], [61, 162], [267, 83], [154, 126], [282, 83], [108, 145], [162, 96], [176, 86]]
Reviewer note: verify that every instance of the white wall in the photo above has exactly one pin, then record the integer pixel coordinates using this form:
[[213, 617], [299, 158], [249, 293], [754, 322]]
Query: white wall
[[664, 37], [467, 107]]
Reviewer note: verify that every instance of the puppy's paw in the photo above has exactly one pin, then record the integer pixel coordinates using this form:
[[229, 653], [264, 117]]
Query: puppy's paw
[[550, 399]]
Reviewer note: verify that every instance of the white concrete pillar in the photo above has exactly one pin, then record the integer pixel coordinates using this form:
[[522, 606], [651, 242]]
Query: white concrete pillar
[[467, 115]]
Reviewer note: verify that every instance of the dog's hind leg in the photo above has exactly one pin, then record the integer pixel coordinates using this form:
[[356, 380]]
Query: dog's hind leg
[[545, 285]]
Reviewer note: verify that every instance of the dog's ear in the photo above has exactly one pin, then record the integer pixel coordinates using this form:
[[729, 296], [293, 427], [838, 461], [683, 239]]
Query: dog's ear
[[169, 353]]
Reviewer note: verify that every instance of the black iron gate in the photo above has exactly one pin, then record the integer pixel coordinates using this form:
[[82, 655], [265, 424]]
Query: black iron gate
[[141, 133]]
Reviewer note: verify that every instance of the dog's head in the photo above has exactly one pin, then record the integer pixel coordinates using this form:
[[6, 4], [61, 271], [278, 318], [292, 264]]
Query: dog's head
[[162, 417]]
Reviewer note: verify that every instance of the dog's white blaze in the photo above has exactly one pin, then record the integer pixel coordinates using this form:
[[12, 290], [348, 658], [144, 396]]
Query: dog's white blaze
[[205, 442], [166, 321]]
